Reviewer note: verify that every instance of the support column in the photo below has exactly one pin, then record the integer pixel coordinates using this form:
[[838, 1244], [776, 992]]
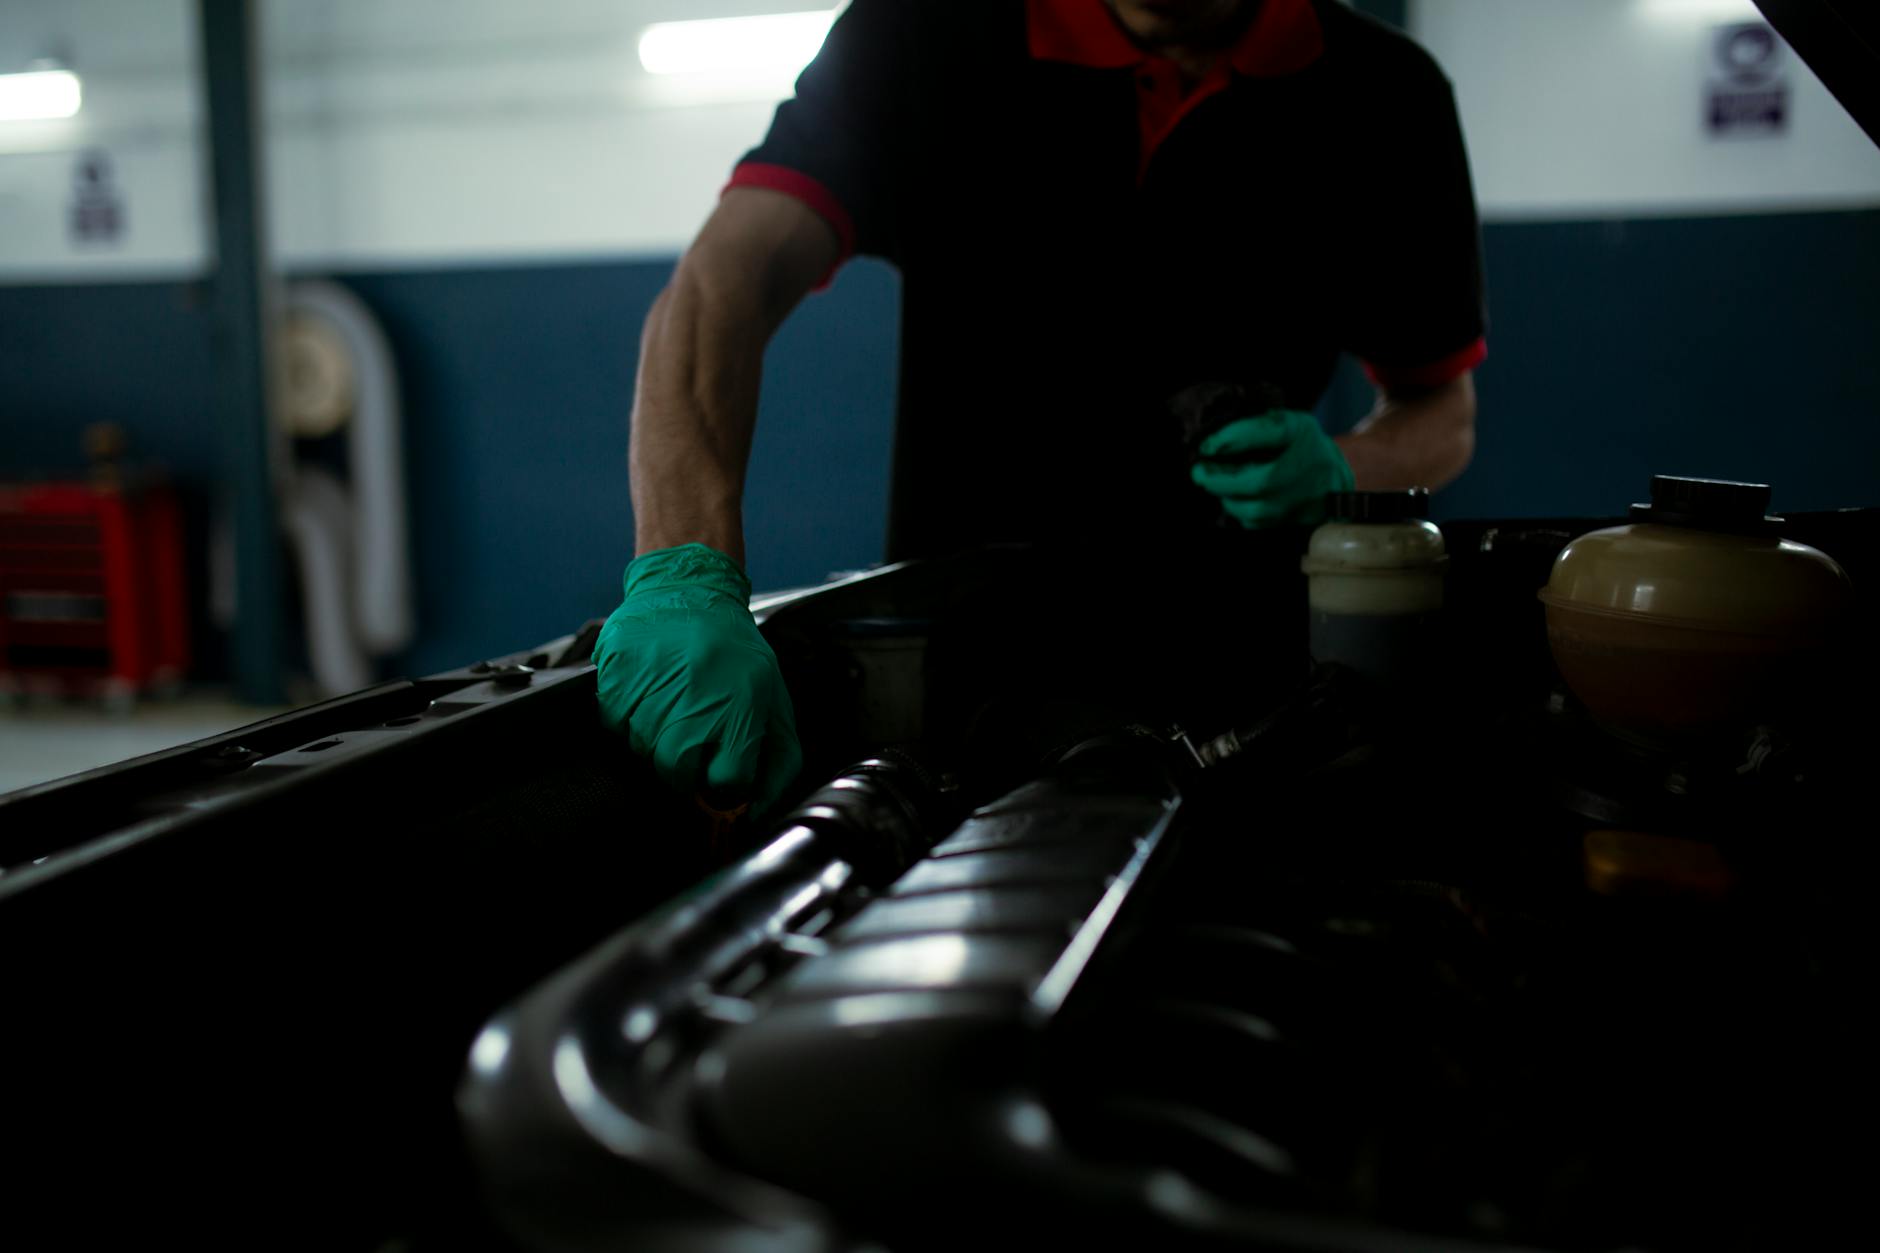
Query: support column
[[243, 309]]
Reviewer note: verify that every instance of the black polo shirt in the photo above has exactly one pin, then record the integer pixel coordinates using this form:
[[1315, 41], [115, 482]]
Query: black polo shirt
[[1079, 238]]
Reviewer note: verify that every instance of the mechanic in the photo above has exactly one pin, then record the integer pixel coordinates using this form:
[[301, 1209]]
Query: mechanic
[[1093, 205]]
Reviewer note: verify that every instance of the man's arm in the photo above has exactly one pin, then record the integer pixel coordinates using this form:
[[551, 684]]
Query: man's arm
[[701, 356], [1414, 437], [680, 667], [1412, 283]]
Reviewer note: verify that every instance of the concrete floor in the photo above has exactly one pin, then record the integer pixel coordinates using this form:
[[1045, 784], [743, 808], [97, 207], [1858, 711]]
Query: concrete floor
[[43, 739]]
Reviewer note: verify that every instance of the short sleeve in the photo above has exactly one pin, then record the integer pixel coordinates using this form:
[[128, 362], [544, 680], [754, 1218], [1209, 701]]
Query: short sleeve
[[1415, 288], [834, 145]]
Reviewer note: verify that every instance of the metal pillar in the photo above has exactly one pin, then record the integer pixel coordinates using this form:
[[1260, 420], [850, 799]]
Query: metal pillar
[[1396, 12], [243, 309]]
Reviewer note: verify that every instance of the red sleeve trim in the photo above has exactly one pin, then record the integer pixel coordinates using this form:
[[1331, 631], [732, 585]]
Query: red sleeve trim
[[802, 187], [1435, 374]]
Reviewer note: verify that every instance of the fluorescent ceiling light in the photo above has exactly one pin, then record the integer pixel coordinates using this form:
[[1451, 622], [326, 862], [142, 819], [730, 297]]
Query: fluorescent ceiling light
[[39, 94], [778, 44], [1704, 10]]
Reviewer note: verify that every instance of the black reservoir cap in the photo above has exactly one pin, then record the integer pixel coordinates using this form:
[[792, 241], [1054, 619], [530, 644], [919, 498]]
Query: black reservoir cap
[[1378, 506], [1707, 505]]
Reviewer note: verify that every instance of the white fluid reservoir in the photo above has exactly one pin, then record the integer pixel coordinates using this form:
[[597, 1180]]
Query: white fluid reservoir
[[1374, 585]]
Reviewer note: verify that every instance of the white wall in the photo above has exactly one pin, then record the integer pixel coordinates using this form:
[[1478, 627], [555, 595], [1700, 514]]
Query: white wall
[[1582, 108], [432, 131], [400, 132], [136, 59], [441, 130]]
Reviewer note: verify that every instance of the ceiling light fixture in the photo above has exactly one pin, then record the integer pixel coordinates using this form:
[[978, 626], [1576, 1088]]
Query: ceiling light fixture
[[773, 45], [1703, 10], [38, 95]]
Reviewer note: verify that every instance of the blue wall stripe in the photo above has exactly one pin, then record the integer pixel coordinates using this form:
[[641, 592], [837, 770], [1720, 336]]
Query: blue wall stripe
[[1731, 346]]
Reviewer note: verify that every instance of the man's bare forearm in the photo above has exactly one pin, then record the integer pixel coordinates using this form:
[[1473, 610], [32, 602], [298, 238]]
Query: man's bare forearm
[[701, 361], [1414, 439], [694, 409]]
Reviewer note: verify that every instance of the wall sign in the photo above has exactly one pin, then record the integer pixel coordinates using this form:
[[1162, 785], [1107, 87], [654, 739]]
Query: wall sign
[[1746, 91], [97, 214]]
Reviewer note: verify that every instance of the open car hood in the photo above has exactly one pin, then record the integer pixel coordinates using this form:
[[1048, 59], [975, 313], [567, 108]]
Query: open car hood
[[1840, 40]]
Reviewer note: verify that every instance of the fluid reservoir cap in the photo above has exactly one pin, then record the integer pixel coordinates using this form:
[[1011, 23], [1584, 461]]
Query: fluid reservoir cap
[[1378, 506], [1708, 505]]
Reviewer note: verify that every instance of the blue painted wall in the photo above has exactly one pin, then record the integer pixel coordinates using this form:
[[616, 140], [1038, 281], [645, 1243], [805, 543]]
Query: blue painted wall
[[134, 353], [137, 354], [518, 383], [1728, 347], [1733, 346]]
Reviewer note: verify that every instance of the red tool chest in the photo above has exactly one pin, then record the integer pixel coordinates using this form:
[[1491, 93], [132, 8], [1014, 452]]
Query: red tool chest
[[92, 587]]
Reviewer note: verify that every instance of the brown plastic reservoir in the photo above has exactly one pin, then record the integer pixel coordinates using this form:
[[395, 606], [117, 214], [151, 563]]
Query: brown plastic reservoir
[[1696, 618]]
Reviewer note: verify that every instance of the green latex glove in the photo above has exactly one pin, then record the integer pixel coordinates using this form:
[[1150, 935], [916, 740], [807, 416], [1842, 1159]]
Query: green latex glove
[[684, 672], [1272, 470]]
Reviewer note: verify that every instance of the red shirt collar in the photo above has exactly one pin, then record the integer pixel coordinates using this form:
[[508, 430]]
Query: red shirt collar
[[1284, 37]]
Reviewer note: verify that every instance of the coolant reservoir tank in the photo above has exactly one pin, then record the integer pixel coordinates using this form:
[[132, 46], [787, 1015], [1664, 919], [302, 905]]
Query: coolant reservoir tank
[[1698, 617], [1375, 584]]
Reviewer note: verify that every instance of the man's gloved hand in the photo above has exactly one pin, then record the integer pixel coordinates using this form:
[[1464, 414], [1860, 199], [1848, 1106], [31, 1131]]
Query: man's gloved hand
[[684, 672], [1272, 470]]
